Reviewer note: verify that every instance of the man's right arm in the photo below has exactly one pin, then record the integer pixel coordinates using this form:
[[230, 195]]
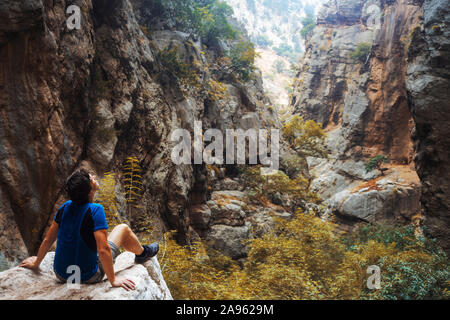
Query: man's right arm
[[105, 256]]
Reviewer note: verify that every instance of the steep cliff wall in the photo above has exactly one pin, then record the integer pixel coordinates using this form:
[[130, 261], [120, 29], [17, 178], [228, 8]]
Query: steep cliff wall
[[94, 96], [428, 85], [363, 76]]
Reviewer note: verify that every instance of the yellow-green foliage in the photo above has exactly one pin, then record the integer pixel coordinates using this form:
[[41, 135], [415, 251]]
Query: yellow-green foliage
[[107, 197], [293, 165], [299, 259], [216, 90], [174, 65], [265, 186], [145, 30], [306, 137], [307, 258], [191, 274], [436, 28], [242, 56], [133, 182]]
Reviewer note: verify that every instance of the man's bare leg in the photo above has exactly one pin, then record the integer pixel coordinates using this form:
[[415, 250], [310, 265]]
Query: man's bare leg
[[124, 237]]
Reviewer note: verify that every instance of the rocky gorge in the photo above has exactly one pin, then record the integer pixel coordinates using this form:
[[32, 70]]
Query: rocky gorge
[[360, 77], [94, 96], [375, 74]]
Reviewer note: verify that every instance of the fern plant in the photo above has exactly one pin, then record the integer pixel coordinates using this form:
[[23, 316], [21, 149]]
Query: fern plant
[[132, 183]]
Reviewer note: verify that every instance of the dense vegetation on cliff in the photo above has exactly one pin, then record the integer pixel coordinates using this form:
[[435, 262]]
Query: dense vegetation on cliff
[[209, 20]]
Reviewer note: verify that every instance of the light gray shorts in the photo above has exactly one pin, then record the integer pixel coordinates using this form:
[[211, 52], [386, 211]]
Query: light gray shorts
[[98, 276]]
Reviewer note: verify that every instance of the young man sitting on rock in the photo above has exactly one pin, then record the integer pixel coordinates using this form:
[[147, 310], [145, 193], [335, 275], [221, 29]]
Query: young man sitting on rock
[[81, 231]]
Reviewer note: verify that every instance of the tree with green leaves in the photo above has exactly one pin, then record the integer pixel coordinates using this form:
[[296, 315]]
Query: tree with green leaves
[[279, 66], [205, 18], [309, 23], [242, 56]]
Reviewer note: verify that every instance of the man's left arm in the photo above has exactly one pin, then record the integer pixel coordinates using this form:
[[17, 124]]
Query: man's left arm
[[34, 262]]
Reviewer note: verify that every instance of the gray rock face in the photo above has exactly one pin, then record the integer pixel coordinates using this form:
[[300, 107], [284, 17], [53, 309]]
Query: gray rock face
[[340, 12], [428, 88], [229, 240], [352, 192], [232, 220], [387, 201], [362, 103], [20, 283]]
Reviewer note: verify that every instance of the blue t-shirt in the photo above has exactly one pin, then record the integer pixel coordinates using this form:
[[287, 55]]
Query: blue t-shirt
[[76, 243]]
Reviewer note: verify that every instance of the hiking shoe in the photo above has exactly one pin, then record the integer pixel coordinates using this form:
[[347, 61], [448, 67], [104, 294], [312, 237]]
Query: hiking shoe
[[149, 252]]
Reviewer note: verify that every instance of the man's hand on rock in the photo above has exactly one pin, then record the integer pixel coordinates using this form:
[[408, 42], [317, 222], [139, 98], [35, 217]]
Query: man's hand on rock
[[127, 284], [29, 263]]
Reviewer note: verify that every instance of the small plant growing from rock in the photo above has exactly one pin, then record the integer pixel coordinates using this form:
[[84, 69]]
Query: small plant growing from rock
[[361, 52], [309, 23], [174, 65], [242, 59], [376, 162]]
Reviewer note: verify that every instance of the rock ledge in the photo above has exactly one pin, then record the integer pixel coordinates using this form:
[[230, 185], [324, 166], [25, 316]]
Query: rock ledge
[[19, 283]]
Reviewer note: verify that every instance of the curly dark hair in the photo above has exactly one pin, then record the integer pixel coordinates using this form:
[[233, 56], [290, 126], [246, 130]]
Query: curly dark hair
[[78, 186]]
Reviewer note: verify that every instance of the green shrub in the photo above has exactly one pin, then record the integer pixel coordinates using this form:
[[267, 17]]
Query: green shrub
[[279, 66], [293, 165], [411, 267], [375, 162], [214, 24], [263, 41], [262, 187], [206, 18], [242, 59], [361, 52], [305, 137], [174, 65], [287, 51], [309, 23]]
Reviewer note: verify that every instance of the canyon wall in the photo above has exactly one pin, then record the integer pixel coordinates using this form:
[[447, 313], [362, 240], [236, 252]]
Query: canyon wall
[[364, 76], [375, 74], [93, 97], [428, 78]]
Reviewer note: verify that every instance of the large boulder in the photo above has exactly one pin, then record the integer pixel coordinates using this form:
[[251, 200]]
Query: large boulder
[[229, 240], [20, 283]]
